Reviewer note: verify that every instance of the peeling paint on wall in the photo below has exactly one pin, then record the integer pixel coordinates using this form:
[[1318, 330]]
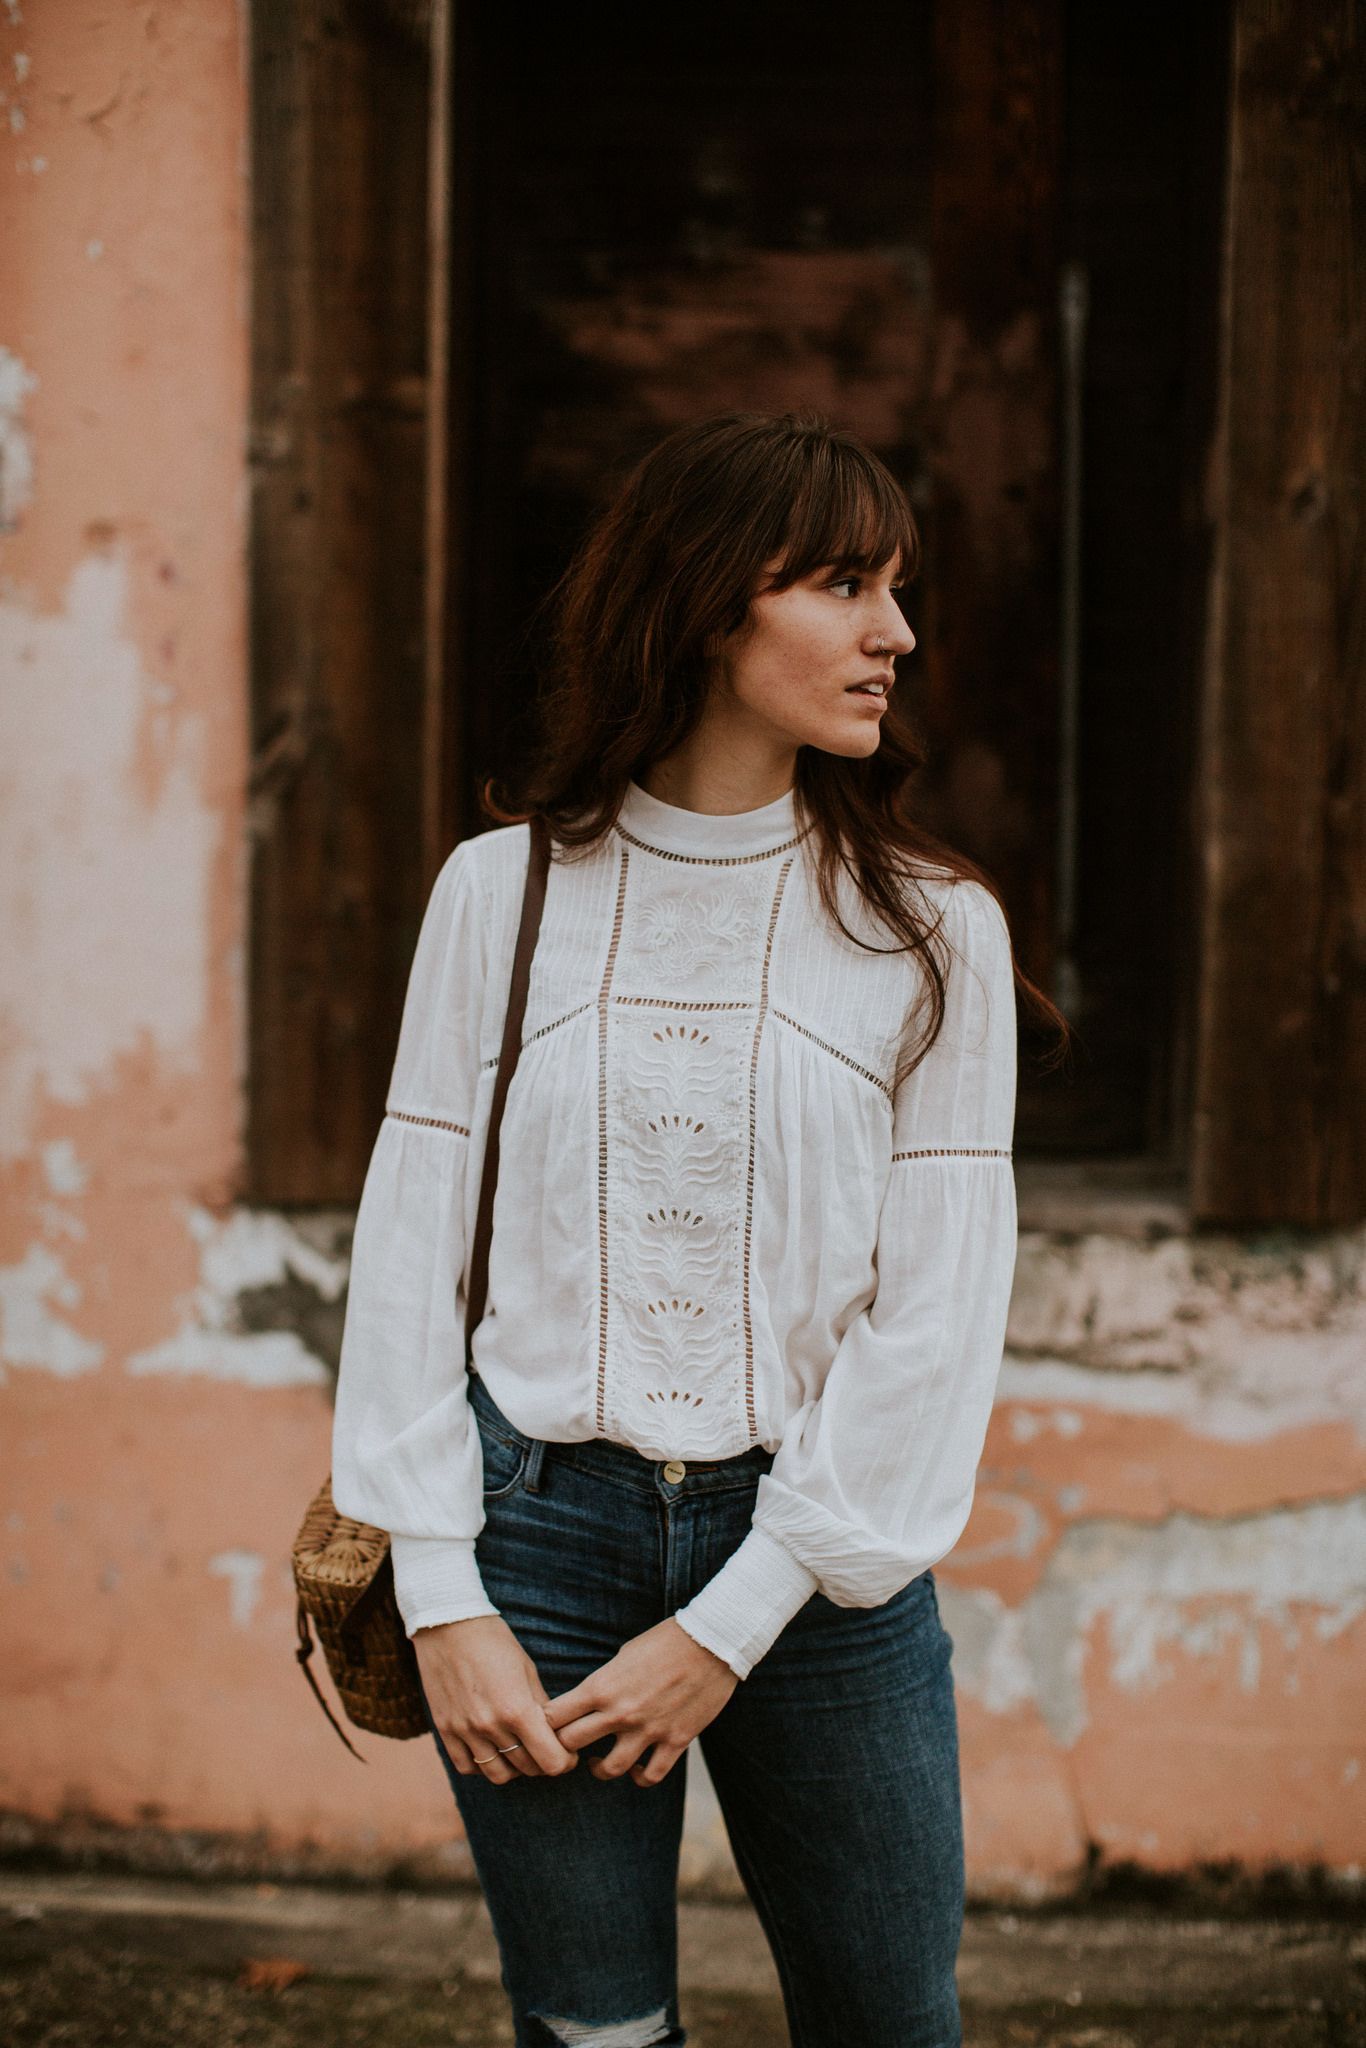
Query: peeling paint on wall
[[32, 1332], [16, 450], [63, 1171], [269, 1305], [243, 1570], [1237, 1338], [105, 850], [1187, 1583]]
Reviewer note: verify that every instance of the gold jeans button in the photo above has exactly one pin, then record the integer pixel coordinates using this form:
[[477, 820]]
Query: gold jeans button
[[675, 1470]]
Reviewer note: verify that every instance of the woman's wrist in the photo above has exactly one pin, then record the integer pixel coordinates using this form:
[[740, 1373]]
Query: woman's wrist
[[743, 1609], [437, 1579]]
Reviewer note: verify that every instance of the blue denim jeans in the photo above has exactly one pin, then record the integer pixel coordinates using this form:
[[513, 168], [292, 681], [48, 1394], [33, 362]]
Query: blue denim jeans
[[835, 1764]]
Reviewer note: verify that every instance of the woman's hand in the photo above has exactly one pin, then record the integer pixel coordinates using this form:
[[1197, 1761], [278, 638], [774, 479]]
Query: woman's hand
[[660, 1689], [485, 1693]]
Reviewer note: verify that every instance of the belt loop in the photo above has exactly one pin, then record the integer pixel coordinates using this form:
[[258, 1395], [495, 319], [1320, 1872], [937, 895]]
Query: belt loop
[[535, 1460]]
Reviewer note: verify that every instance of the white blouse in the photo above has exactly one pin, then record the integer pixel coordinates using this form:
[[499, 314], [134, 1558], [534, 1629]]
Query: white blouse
[[714, 1225]]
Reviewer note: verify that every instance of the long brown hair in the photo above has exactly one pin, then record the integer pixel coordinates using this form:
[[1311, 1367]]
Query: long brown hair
[[668, 569]]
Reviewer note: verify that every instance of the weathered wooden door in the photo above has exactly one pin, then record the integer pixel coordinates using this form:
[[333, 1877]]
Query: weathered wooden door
[[883, 217], [1122, 386]]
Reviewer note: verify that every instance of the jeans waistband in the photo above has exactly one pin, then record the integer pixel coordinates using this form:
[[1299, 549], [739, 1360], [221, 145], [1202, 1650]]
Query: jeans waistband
[[603, 1455]]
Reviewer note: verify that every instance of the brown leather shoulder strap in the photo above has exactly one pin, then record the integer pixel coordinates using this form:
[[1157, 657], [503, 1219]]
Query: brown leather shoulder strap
[[533, 901]]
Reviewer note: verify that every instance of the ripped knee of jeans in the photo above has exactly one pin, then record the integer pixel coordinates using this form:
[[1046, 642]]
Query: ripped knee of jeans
[[653, 2030]]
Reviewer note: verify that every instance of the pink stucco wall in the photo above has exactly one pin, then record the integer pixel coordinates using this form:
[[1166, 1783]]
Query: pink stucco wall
[[153, 1475], [1158, 1606]]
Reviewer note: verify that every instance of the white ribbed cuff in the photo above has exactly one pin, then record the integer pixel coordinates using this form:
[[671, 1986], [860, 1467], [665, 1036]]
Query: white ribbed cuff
[[743, 1609], [436, 1579]]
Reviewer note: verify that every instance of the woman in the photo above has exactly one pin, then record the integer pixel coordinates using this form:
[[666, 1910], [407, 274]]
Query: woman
[[754, 1237]]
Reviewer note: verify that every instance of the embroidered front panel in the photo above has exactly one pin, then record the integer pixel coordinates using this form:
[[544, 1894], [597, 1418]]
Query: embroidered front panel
[[678, 1119], [677, 1149]]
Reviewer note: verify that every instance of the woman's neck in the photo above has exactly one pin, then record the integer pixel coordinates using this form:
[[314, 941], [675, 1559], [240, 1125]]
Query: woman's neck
[[717, 786]]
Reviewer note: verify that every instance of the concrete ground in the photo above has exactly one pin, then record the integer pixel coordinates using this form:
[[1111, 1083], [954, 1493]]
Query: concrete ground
[[90, 1961]]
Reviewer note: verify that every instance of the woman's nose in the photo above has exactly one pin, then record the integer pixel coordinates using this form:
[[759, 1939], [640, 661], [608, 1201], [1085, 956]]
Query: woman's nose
[[893, 633]]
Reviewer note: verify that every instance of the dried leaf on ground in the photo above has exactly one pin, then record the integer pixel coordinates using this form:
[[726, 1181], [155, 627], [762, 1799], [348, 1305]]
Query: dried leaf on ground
[[271, 1973]]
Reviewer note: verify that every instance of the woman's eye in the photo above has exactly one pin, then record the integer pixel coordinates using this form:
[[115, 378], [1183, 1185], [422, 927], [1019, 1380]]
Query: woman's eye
[[852, 582]]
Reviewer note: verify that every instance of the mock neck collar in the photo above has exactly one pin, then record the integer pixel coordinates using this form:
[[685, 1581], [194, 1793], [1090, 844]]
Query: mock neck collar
[[707, 835]]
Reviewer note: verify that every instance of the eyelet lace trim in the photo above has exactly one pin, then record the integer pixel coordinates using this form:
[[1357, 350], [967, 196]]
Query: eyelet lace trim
[[835, 1052], [712, 860], [667, 1003], [638, 1002], [957, 1152], [749, 1165], [436, 1123], [604, 994]]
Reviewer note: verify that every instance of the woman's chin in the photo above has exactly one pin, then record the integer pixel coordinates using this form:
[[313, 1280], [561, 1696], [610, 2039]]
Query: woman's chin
[[853, 745]]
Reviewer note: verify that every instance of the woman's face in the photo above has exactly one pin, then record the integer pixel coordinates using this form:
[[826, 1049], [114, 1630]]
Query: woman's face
[[796, 665]]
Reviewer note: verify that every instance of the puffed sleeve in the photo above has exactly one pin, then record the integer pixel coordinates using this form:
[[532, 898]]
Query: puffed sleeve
[[873, 1482], [406, 1454]]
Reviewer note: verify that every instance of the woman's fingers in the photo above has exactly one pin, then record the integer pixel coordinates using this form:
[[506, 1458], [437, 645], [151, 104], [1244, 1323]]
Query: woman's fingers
[[458, 1752], [531, 1751], [488, 1702], [523, 1746], [587, 1728], [652, 1769], [568, 1706], [473, 1755], [543, 1752], [620, 1756], [653, 1695]]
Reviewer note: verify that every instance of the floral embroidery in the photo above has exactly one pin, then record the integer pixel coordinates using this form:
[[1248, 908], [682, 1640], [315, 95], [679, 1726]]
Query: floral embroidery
[[672, 1227], [675, 1309], [664, 922], [679, 1175], [683, 926], [677, 1116]]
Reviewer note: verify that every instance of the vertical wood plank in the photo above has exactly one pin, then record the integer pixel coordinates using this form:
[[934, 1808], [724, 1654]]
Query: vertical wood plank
[[1280, 1113], [339, 311], [991, 649], [445, 810]]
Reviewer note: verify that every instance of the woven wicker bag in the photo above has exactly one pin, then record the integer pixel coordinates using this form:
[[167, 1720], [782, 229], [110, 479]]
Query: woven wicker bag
[[344, 1577], [343, 1570]]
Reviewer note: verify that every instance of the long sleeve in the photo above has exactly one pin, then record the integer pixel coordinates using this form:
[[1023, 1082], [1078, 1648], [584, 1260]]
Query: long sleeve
[[873, 1481], [406, 1455]]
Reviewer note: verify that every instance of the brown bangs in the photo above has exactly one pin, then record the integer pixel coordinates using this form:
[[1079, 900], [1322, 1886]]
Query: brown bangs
[[847, 512]]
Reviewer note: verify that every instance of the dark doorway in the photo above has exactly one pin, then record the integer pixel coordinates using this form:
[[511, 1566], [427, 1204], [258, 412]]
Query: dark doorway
[[649, 215], [669, 212]]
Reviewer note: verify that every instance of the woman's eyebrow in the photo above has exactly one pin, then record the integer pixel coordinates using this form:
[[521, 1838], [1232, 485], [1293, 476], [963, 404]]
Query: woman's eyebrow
[[860, 568]]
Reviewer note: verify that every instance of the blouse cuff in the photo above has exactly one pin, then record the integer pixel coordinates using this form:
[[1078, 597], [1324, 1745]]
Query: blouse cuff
[[743, 1609], [436, 1579]]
